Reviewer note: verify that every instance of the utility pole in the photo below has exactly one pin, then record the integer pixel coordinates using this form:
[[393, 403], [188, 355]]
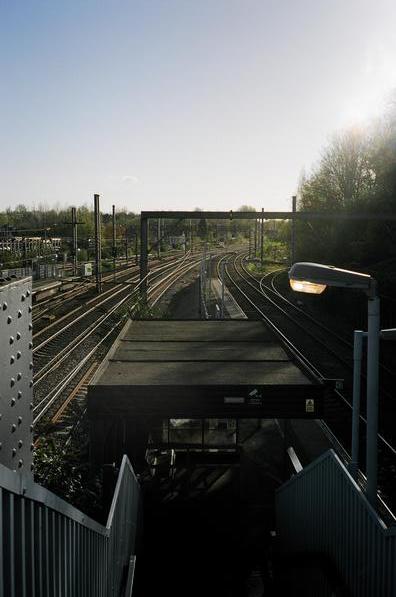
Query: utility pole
[[293, 231], [222, 269], [126, 245], [191, 238], [98, 245], [114, 243], [74, 229], [143, 258], [262, 237], [158, 237]]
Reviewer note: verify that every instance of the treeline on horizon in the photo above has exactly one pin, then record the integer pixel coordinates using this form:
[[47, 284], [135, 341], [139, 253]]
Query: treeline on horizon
[[356, 173]]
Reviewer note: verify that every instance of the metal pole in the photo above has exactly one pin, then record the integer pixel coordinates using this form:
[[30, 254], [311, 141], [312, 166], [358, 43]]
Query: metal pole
[[357, 367], [74, 229], [158, 237], [136, 248], [250, 242], [293, 231], [373, 331], [114, 243], [255, 237], [98, 245], [143, 257], [222, 290], [191, 238], [262, 237]]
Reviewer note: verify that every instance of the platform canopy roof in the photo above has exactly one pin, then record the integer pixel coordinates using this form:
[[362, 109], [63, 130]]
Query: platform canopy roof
[[190, 369]]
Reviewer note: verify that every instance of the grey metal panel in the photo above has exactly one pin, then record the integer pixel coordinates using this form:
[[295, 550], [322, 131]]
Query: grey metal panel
[[323, 510], [16, 374]]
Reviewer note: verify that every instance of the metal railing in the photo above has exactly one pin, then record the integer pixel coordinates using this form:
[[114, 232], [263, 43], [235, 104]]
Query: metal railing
[[49, 548], [322, 510]]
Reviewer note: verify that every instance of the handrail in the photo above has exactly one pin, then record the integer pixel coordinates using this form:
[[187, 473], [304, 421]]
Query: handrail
[[323, 510], [50, 548]]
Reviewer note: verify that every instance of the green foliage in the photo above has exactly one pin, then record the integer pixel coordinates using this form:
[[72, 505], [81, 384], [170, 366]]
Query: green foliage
[[357, 173], [143, 311], [65, 471]]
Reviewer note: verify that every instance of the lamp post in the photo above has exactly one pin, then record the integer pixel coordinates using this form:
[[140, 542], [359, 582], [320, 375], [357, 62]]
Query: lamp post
[[314, 278]]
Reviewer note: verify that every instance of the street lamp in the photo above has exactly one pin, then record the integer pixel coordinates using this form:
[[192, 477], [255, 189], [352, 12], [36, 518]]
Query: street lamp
[[314, 278]]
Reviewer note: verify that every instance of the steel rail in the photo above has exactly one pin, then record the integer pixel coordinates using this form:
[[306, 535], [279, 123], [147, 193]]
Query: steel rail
[[45, 403], [59, 357], [317, 322], [310, 366], [305, 360], [100, 299]]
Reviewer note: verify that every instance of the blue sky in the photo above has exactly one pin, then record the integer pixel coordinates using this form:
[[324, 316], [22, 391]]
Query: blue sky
[[175, 104]]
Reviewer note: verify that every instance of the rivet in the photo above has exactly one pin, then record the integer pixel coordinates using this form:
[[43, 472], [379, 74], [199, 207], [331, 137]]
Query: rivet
[[28, 293], [13, 401], [30, 309], [20, 443], [31, 427], [18, 335], [12, 359], [9, 319], [20, 463], [30, 344], [11, 339], [19, 313], [12, 382], [19, 394], [19, 376], [19, 420], [31, 406], [30, 365], [4, 306], [13, 451], [23, 297], [31, 383], [13, 427], [30, 326], [1, 445], [19, 354]]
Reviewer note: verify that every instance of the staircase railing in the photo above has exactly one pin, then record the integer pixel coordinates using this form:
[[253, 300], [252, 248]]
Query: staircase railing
[[48, 548], [322, 510]]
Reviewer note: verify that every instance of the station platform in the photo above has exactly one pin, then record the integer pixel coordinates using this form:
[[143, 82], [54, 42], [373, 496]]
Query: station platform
[[231, 308], [194, 369]]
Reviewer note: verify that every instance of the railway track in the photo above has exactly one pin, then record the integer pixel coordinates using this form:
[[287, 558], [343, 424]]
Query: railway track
[[321, 353], [52, 343], [57, 389], [68, 299]]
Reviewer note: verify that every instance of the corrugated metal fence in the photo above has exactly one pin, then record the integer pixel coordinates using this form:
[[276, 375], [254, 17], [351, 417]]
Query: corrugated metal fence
[[50, 549], [323, 510]]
